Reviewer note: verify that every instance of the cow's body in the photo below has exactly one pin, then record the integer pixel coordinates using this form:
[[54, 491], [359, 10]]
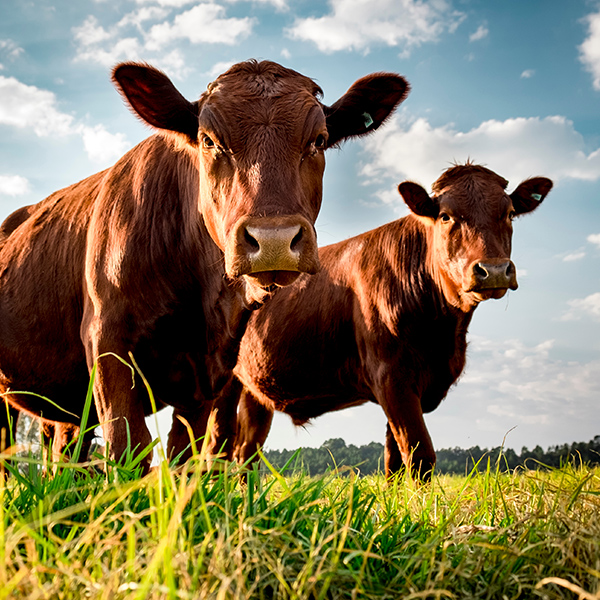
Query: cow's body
[[165, 254], [386, 318]]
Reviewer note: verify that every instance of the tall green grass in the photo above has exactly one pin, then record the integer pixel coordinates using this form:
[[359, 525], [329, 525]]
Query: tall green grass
[[208, 531]]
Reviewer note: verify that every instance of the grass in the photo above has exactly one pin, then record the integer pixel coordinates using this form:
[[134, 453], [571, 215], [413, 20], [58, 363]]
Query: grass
[[204, 533]]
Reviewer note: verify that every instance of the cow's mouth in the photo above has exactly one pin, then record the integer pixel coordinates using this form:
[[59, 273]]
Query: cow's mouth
[[489, 294], [271, 280]]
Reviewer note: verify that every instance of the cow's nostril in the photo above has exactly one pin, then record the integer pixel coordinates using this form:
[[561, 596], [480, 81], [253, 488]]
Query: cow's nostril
[[296, 240], [251, 241], [480, 271]]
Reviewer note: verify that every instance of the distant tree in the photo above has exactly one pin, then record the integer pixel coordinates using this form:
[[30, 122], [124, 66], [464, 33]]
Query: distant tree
[[369, 459]]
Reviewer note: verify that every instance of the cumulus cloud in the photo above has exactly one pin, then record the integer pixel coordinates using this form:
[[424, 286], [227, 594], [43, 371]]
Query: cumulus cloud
[[589, 51], [521, 384], [13, 185], [580, 308], [204, 23], [594, 238], [102, 146], [481, 32], [28, 107], [573, 256], [10, 49], [515, 148], [527, 74], [219, 68], [358, 24], [147, 31]]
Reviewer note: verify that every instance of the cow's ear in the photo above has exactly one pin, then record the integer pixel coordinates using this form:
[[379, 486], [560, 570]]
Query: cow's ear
[[418, 200], [365, 106], [155, 99], [530, 194]]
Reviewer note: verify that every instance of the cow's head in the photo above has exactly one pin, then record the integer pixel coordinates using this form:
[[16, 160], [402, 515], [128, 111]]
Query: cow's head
[[260, 132], [469, 223]]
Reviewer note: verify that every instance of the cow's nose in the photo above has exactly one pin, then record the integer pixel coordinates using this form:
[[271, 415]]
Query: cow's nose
[[494, 274], [272, 244]]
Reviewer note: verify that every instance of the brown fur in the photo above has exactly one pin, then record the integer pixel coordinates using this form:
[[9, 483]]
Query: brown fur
[[144, 257], [386, 318]]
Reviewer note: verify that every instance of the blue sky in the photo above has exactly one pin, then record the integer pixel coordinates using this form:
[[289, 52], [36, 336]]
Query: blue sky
[[513, 85]]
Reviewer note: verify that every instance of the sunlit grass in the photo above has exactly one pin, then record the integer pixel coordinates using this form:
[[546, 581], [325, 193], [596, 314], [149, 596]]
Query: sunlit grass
[[213, 530], [205, 533]]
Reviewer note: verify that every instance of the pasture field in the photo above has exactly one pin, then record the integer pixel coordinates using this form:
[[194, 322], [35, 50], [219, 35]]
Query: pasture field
[[84, 533]]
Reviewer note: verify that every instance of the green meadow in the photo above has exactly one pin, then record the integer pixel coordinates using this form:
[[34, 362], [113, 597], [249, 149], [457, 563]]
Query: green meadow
[[211, 530]]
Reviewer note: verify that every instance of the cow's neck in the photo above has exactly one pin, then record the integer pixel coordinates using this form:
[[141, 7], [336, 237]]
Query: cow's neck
[[419, 291]]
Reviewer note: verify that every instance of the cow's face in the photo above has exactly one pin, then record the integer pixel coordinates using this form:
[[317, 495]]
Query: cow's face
[[260, 133], [469, 224]]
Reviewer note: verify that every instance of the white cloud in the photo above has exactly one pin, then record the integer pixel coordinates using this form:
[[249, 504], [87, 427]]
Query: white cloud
[[28, 107], [170, 3], [13, 185], [144, 33], [528, 385], [594, 238], [137, 18], [590, 49], [583, 307], [204, 23], [10, 49], [481, 32], [527, 74], [356, 24], [516, 149], [102, 146], [573, 256], [278, 4], [219, 68]]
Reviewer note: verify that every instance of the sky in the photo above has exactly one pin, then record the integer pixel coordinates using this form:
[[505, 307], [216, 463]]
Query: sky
[[512, 85]]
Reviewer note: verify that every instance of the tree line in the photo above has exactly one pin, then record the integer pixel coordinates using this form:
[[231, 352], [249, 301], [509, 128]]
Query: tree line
[[336, 454]]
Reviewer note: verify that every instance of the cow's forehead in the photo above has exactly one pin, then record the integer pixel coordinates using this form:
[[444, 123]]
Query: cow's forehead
[[471, 189], [261, 79]]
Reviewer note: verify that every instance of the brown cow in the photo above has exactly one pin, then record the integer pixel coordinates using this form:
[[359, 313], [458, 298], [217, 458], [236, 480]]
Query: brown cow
[[386, 318], [165, 254]]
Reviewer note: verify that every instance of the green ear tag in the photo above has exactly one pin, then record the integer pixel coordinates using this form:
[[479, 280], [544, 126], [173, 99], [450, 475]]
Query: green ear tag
[[537, 197], [368, 120]]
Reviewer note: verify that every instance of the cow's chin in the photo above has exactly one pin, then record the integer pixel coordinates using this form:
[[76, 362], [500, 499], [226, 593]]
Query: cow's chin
[[271, 280], [491, 294]]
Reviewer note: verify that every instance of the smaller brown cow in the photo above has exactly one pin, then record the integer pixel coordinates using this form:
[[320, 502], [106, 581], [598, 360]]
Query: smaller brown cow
[[386, 319]]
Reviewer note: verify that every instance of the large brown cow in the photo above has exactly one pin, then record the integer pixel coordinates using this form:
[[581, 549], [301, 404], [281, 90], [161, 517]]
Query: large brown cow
[[386, 318], [164, 254]]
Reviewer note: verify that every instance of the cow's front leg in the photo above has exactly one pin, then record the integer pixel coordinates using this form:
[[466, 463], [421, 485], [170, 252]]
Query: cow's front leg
[[254, 424], [186, 430], [224, 426], [406, 426], [391, 455], [119, 403], [63, 438]]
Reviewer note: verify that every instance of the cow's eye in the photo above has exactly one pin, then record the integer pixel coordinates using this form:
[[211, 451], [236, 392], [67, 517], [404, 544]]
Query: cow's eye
[[511, 215], [445, 217], [207, 142], [320, 142]]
